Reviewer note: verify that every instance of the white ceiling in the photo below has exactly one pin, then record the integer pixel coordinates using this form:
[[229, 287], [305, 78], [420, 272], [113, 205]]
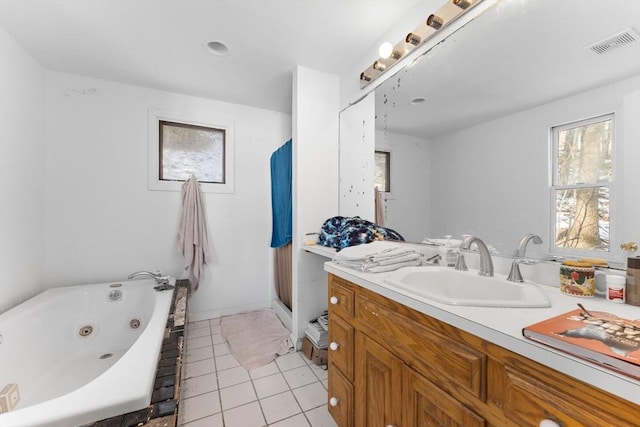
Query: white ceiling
[[517, 55], [159, 43]]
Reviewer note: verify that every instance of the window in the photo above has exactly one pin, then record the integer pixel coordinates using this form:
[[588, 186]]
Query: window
[[186, 149], [383, 168], [581, 186], [182, 144]]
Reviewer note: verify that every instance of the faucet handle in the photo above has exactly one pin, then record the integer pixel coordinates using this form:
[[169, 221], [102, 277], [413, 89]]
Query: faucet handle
[[461, 264], [514, 273]]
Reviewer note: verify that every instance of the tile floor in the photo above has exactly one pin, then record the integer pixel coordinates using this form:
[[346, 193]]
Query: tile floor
[[217, 391]]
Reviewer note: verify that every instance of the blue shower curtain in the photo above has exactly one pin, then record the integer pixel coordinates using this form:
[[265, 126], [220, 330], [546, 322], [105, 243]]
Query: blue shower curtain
[[281, 200]]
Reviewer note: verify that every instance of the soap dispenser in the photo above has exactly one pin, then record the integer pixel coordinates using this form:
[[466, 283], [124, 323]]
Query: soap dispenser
[[448, 255]]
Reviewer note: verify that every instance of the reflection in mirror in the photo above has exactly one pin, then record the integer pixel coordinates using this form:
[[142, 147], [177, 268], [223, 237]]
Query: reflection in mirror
[[468, 124]]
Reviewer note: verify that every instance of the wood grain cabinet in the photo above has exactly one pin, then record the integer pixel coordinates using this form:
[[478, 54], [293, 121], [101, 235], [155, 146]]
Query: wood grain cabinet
[[390, 365]]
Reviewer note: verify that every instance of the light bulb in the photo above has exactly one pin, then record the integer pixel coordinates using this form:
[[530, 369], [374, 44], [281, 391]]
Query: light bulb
[[385, 50]]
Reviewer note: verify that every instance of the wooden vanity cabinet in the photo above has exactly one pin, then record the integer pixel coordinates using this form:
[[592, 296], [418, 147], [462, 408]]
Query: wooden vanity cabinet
[[390, 365]]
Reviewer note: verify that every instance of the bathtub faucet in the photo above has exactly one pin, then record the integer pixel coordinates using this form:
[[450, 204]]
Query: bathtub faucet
[[157, 276]]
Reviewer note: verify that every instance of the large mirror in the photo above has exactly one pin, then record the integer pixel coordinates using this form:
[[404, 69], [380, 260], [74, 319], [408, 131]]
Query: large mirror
[[468, 124]]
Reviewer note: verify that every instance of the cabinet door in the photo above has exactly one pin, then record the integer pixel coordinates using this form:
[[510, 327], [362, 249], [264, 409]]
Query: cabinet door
[[427, 405], [340, 397], [378, 384]]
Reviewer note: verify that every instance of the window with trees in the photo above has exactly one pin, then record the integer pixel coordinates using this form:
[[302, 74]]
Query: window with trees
[[187, 149], [383, 171], [581, 185], [181, 144]]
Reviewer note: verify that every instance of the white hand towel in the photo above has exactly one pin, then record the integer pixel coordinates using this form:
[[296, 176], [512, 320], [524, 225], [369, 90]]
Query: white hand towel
[[192, 233], [391, 267]]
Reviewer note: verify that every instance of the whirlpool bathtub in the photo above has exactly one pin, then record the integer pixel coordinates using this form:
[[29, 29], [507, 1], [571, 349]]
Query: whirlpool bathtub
[[79, 354]]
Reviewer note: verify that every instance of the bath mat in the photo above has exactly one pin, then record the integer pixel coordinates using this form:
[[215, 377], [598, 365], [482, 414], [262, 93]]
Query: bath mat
[[255, 338]]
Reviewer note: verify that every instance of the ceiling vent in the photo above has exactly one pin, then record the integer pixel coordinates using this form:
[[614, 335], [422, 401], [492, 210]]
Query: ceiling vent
[[620, 39]]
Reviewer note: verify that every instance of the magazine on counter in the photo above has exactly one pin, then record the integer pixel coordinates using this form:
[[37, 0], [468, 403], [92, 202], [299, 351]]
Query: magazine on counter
[[597, 336]]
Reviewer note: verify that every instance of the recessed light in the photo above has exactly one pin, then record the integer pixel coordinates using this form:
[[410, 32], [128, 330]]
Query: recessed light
[[217, 48], [418, 101]]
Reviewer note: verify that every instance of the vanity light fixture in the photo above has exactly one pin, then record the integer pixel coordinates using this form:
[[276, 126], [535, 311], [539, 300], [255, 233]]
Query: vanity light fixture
[[385, 50], [463, 4], [379, 66], [390, 54], [412, 39], [434, 21]]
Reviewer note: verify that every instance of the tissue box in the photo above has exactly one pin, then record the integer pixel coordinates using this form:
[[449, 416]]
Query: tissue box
[[313, 353], [9, 397]]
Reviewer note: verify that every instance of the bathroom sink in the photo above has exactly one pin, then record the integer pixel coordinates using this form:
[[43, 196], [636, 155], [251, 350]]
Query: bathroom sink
[[449, 286]]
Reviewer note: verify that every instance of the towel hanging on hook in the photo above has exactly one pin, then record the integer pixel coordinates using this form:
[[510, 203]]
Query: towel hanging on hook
[[192, 239]]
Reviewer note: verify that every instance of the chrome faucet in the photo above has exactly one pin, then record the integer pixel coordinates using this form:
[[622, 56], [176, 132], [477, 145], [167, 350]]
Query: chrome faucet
[[514, 273], [522, 246], [157, 276], [486, 263]]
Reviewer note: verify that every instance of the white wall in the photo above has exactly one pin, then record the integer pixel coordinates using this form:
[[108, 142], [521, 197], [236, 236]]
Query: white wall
[[21, 174], [103, 223], [493, 179], [408, 205], [315, 185]]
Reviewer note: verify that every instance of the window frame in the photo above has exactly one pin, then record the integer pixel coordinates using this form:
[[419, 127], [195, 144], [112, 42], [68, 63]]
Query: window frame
[[154, 183], [388, 155], [554, 187]]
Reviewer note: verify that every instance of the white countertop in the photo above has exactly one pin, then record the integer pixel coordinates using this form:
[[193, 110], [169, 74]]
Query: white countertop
[[503, 327]]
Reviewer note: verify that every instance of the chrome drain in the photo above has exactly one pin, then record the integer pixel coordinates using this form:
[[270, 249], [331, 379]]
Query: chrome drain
[[106, 356], [85, 331], [134, 323]]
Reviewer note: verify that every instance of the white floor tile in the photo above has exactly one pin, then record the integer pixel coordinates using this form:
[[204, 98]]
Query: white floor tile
[[311, 396], [226, 361], [320, 371], [290, 361], [217, 339], [200, 353], [200, 406], [268, 386], [248, 415], [237, 395], [232, 376], [295, 421], [320, 417], [198, 385], [264, 371], [212, 421], [299, 376], [199, 342], [221, 349], [279, 407], [198, 324], [218, 392], [198, 332], [201, 367]]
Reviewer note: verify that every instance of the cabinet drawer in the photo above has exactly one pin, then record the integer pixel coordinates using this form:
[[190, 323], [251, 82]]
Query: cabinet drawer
[[340, 297], [528, 400], [449, 364], [340, 398], [341, 345]]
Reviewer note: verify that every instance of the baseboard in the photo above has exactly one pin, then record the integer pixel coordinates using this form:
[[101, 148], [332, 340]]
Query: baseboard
[[214, 314]]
